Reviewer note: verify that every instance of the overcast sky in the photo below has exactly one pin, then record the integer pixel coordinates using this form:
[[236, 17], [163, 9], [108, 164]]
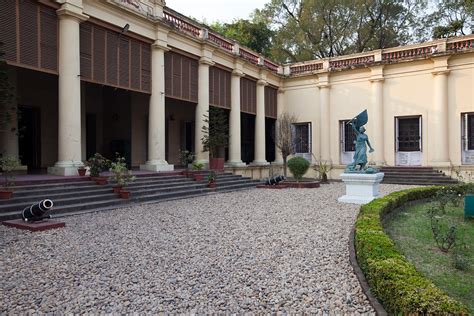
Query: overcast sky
[[216, 10]]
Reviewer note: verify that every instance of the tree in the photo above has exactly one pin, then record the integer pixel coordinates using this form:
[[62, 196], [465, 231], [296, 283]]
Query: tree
[[310, 29], [452, 18], [216, 132], [284, 137], [255, 35], [8, 107]]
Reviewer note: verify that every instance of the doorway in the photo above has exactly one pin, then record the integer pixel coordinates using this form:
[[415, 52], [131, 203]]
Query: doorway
[[29, 140], [408, 141]]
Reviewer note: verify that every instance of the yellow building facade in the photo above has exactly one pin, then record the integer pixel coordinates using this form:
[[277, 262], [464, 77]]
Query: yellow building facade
[[136, 77]]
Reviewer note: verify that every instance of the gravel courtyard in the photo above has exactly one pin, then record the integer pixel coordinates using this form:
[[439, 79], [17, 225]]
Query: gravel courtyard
[[248, 251]]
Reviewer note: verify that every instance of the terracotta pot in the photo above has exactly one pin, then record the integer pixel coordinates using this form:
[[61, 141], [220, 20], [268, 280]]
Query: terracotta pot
[[211, 184], [5, 194], [81, 171], [198, 177], [124, 194], [100, 180], [116, 189], [216, 164]]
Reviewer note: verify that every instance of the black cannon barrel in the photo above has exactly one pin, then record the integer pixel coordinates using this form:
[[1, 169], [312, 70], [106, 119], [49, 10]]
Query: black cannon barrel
[[275, 180], [37, 211]]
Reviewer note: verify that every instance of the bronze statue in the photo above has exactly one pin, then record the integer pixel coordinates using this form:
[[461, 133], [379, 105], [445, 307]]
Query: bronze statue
[[359, 163]]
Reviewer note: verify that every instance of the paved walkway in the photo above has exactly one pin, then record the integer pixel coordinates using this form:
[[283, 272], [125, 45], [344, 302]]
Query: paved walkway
[[247, 251]]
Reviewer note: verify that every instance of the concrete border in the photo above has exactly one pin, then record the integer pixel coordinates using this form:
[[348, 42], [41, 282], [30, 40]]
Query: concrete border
[[379, 310]]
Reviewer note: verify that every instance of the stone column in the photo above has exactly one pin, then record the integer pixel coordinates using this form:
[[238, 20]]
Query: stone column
[[438, 122], [280, 106], [259, 158], [202, 107], [324, 127], [69, 91], [377, 140], [235, 158], [156, 113]]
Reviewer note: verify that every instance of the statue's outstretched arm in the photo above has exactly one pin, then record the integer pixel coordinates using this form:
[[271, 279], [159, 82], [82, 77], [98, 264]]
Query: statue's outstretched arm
[[351, 123], [371, 150]]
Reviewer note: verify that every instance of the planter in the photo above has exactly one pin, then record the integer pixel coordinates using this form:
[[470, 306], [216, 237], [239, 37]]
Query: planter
[[198, 176], [211, 185], [117, 188], [81, 171], [5, 194], [124, 194], [100, 180], [216, 164]]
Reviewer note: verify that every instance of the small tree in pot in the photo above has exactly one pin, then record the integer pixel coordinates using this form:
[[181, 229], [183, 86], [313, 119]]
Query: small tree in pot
[[121, 175], [284, 137], [8, 164], [215, 136], [197, 167], [97, 164], [211, 179]]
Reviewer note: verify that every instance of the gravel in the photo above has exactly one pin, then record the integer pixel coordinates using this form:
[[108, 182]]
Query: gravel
[[259, 251]]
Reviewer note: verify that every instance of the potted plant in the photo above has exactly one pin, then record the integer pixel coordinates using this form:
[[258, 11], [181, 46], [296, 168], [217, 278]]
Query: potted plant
[[121, 176], [186, 157], [197, 167], [215, 137], [323, 168], [8, 164], [81, 171], [97, 164], [211, 180]]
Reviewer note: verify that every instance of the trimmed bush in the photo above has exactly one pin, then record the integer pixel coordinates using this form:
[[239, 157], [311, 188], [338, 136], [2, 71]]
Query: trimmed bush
[[298, 167], [392, 278]]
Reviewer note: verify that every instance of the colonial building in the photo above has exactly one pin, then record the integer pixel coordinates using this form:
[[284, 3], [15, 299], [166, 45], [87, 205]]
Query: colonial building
[[136, 77]]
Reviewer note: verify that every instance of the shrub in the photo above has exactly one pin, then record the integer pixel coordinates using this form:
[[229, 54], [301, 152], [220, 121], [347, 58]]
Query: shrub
[[120, 172], [8, 164], [298, 167], [392, 278], [97, 164]]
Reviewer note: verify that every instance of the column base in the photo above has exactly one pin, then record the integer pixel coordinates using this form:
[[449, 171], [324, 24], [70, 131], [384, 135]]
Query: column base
[[277, 163], [65, 168], [231, 164], [259, 163], [157, 166]]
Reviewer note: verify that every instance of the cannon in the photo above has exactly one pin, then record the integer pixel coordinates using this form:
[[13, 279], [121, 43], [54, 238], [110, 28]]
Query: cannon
[[37, 211], [275, 180]]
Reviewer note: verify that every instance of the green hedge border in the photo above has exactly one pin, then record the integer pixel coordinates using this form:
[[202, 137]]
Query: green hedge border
[[393, 280]]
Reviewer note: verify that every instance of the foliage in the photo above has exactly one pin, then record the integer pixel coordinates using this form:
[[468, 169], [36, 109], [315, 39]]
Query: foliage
[[284, 136], [445, 237], [121, 175], [394, 280], [313, 29], [186, 157], [252, 34], [198, 166], [97, 164], [322, 167], [8, 164], [298, 167], [452, 18], [215, 131], [211, 177], [460, 261], [8, 106]]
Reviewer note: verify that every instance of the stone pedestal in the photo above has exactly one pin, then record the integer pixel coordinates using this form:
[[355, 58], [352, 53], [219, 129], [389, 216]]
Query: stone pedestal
[[361, 188]]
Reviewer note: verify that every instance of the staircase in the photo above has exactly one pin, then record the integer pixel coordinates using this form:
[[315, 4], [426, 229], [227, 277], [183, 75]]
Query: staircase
[[416, 176], [82, 196]]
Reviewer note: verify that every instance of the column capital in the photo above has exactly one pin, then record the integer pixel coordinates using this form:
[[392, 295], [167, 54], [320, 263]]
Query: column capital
[[261, 82], [237, 73], [440, 71], [206, 61], [158, 44], [376, 79], [281, 90], [71, 11], [323, 85]]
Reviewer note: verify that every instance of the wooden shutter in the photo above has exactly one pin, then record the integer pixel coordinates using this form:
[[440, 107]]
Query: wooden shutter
[[271, 97], [181, 74], [135, 64], [248, 95], [29, 33], [9, 32], [146, 67], [85, 37], [98, 57], [48, 39], [219, 87]]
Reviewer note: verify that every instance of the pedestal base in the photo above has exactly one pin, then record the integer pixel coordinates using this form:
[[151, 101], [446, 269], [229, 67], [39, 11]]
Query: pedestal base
[[34, 226], [230, 164], [159, 167], [361, 188], [259, 163]]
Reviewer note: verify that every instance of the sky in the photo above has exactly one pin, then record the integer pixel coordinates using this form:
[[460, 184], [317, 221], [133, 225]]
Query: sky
[[216, 10]]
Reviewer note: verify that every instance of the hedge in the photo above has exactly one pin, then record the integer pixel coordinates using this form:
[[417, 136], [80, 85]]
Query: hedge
[[392, 278]]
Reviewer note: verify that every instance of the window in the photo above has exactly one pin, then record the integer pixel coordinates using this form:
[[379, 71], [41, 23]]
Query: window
[[302, 137], [348, 137], [409, 134], [468, 131]]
